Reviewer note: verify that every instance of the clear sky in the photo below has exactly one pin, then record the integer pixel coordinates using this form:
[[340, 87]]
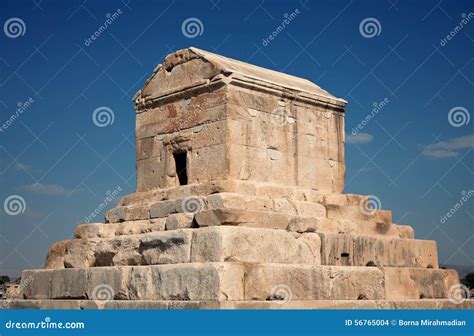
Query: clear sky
[[412, 153]]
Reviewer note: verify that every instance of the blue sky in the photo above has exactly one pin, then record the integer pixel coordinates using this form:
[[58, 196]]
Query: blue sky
[[411, 155]]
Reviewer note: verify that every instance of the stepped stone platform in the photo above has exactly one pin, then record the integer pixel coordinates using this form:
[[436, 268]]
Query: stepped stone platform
[[240, 205]]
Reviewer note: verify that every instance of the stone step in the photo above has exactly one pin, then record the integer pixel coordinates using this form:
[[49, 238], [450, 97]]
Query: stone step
[[212, 282], [352, 227], [291, 223], [211, 244], [109, 230], [351, 212], [332, 206], [245, 188], [348, 250], [237, 282], [418, 283], [245, 244], [292, 304]]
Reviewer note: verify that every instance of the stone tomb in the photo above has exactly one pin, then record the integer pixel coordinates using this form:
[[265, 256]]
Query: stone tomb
[[240, 204]]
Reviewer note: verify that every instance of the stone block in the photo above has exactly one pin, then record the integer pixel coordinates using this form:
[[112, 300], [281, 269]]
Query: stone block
[[337, 249], [165, 208], [211, 281], [151, 174], [208, 282], [238, 201], [55, 257], [179, 221], [166, 247], [322, 225], [127, 213], [200, 110], [109, 230], [404, 283], [405, 231], [116, 215], [336, 199], [35, 284], [356, 213], [395, 252], [282, 282], [239, 217], [142, 249], [372, 228], [207, 163], [239, 244], [310, 209], [79, 253], [273, 191]]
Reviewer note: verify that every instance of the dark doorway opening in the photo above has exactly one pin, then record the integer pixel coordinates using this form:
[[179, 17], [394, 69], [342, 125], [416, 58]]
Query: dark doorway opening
[[345, 259], [181, 166]]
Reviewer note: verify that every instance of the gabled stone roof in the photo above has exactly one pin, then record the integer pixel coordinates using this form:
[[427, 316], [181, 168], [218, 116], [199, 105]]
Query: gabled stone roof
[[213, 65]]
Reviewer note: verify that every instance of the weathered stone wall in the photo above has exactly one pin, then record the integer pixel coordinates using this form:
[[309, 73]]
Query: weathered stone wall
[[284, 141], [195, 123], [234, 133]]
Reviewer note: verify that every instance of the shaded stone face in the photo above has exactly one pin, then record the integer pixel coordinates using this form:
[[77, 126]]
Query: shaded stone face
[[203, 117]]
